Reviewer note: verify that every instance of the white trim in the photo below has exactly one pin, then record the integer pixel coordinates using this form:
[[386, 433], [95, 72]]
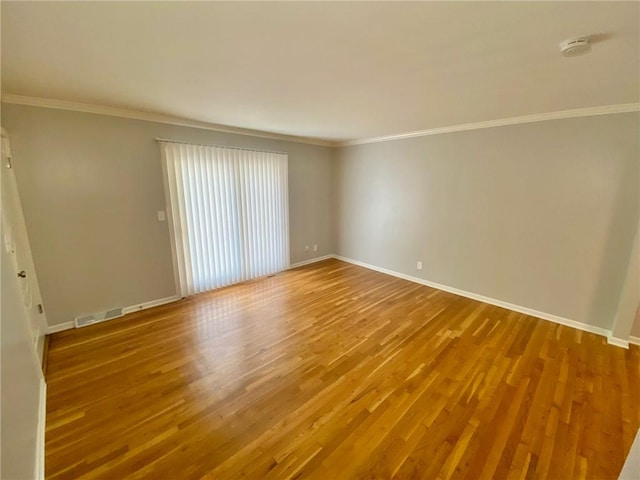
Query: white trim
[[492, 301], [185, 122], [155, 117], [42, 422], [463, 293], [60, 327], [151, 304], [311, 260], [540, 117], [634, 340], [618, 342]]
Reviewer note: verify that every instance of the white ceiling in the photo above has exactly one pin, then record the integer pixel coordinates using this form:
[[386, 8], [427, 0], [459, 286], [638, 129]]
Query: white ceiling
[[336, 71]]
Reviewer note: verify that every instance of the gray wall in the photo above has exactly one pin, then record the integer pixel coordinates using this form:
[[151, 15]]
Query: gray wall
[[91, 186], [629, 295], [635, 330], [540, 215]]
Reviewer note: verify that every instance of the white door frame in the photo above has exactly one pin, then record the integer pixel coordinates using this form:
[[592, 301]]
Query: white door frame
[[15, 238]]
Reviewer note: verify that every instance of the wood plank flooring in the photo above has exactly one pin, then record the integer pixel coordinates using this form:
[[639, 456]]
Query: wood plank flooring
[[333, 371]]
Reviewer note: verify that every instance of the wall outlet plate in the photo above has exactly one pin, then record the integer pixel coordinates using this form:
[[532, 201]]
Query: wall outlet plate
[[419, 265]]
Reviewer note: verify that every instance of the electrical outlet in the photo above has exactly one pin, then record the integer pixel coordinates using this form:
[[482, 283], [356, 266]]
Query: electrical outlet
[[161, 216], [315, 248], [419, 265]]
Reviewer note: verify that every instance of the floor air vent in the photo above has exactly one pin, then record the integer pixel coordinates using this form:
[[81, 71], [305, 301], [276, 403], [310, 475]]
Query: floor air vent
[[98, 317]]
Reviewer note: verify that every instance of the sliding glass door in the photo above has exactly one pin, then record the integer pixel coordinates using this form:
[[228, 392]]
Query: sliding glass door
[[228, 214]]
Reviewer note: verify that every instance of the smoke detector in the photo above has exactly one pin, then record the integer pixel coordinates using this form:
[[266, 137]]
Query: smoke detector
[[575, 47]]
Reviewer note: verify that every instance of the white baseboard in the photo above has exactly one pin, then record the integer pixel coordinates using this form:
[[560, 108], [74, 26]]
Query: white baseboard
[[59, 327], [42, 421], [311, 260], [618, 342], [492, 301], [634, 340], [151, 304]]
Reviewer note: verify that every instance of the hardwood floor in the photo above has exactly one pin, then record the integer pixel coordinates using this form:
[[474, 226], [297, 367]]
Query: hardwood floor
[[332, 371]]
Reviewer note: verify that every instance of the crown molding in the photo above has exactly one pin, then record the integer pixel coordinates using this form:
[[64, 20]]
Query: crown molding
[[184, 122], [155, 117], [579, 112]]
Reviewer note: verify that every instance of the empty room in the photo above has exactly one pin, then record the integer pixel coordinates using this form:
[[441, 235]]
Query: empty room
[[320, 240]]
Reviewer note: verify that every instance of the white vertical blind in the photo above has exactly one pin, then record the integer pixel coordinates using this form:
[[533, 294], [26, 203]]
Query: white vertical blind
[[229, 214]]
